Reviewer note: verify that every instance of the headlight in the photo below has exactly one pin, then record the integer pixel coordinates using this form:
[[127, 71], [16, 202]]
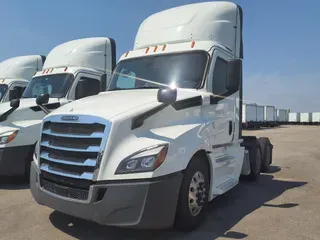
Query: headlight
[[147, 160], [8, 136]]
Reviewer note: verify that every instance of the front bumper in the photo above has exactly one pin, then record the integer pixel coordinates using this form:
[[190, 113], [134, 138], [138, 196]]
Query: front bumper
[[14, 160], [141, 204]]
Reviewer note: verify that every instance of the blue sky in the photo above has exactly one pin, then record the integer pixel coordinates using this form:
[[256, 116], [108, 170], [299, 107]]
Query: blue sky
[[281, 39]]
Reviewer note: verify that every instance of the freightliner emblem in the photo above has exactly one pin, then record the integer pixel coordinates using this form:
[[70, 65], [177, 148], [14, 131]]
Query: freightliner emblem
[[69, 118]]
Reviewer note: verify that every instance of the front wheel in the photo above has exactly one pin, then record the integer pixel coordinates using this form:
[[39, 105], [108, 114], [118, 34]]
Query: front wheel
[[193, 197]]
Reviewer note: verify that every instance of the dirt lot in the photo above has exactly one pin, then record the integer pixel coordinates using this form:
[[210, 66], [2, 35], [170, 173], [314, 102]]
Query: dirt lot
[[285, 204]]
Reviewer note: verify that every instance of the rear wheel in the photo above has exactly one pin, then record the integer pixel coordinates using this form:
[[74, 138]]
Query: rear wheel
[[255, 162], [193, 197], [266, 153]]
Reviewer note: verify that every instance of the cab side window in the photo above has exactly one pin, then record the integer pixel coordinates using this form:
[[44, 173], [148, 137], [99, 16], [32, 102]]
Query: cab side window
[[87, 87], [219, 81]]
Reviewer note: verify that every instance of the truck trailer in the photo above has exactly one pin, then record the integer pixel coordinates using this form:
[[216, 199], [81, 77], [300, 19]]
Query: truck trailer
[[249, 115], [72, 70], [256, 116], [281, 116], [165, 138], [270, 116], [294, 118], [306, 118], [16, 73], [315, 118]]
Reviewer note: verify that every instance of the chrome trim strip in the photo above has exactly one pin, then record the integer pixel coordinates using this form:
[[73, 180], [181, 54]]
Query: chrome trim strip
[[87, 163], [85, 175], [93, 135], [89, 149]]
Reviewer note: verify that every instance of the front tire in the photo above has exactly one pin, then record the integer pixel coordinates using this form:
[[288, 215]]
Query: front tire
[[193, 197]]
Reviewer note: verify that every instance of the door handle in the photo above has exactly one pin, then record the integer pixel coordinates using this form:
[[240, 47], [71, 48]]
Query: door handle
[[230, 127]]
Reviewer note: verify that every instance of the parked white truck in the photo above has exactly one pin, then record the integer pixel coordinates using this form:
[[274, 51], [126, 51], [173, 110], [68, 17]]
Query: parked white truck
[[72, 70], [165, 138], [16, 73]]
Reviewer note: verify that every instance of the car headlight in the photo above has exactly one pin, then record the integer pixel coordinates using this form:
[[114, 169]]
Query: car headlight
[[146, 160], [8, 136]]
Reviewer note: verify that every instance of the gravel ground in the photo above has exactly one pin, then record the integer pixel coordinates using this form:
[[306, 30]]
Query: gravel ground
[[283, 205]]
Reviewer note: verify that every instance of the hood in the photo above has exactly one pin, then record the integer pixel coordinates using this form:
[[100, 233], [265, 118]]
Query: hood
[[24, 111], [110, 104]]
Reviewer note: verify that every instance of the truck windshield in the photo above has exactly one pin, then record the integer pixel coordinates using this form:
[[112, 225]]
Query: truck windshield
[[56, 85], [3, 90], [184, 70]]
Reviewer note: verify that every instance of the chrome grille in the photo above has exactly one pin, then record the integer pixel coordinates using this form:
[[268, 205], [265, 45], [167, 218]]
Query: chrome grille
[[72, 149]]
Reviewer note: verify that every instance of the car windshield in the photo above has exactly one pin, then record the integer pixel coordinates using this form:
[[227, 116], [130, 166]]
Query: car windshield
[[3, 90], [56, 85], [184, 70]]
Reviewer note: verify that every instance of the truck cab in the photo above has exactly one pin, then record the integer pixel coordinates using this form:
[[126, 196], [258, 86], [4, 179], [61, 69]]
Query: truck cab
[[72, 70], [16, 73], [173, 140]]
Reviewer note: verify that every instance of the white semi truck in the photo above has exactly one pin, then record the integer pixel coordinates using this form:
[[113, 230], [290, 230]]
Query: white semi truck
[[72, 70], [16, 73], [166, 137]]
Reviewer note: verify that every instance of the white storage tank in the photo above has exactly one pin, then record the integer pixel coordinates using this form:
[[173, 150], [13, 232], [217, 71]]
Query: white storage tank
[[305, 117], [316, 117], [294, 117], [260, 113], [249, 112], [281, 115], [269, 113]]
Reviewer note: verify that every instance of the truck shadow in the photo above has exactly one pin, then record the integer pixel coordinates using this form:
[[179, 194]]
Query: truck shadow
[[13, 183], [224, 212]]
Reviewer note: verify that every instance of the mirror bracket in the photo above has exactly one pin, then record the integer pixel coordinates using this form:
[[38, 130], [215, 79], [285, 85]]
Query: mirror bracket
[[42, 99]]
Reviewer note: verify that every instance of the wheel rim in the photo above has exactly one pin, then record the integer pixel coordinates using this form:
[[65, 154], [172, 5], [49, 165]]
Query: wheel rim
[[197, 193]]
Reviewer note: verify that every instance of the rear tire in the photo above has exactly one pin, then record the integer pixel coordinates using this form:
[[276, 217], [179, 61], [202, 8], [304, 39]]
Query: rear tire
[[266, 153], [193, 196], [255, 162]]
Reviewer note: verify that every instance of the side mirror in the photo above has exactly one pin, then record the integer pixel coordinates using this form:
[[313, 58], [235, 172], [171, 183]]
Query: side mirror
[[42, 99], [167, 95], [234, 75], [15, 103], [13, 94]]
